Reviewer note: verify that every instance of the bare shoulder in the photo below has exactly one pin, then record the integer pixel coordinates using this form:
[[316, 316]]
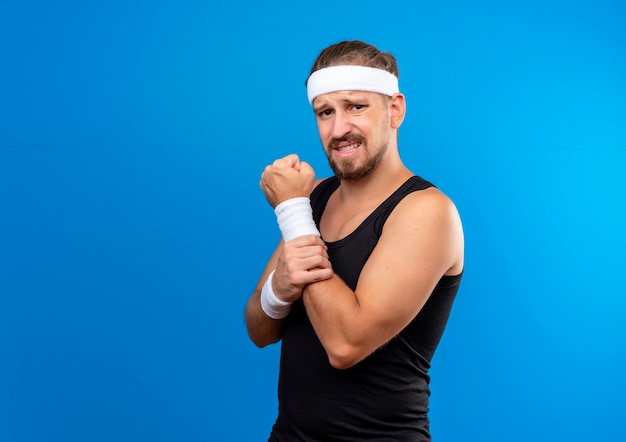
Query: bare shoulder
[[432, 218], [430, 203]]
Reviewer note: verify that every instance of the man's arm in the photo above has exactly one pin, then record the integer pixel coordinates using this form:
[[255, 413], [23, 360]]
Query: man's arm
[[422, 240], [295, 264], [262, 329]]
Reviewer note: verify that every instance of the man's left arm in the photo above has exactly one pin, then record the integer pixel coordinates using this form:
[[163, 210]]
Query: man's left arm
[[422, 240]]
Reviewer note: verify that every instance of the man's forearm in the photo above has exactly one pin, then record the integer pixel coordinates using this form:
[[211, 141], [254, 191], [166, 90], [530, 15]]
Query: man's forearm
[[262, 329], [334, 310]]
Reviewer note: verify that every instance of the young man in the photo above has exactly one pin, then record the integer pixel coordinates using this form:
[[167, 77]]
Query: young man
[[361, 309]]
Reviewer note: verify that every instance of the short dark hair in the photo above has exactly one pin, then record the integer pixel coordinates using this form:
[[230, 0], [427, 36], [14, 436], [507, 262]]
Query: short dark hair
[[355, 52]]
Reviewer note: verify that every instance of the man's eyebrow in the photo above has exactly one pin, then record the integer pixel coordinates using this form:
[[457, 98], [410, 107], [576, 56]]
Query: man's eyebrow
[[319, 107], [346, 100]]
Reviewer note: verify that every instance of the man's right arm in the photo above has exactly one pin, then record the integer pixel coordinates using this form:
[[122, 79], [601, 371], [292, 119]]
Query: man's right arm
[[262, 329], [300, 259], [295, 264]]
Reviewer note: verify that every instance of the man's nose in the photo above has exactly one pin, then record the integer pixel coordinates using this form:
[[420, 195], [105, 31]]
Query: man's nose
[[341, 125]]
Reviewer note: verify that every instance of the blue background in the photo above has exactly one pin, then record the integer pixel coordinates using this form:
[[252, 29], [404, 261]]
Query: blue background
[[132, 228]]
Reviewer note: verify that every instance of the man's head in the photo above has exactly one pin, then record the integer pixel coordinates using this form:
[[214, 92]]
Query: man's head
[[353, 88]]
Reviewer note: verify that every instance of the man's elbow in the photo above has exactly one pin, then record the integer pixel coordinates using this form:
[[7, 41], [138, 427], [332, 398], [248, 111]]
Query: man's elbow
[[344, 356], [262, 340]]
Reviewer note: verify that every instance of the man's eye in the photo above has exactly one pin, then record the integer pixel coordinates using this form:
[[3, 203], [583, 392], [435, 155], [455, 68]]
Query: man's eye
[[358, 106], [326, 113]]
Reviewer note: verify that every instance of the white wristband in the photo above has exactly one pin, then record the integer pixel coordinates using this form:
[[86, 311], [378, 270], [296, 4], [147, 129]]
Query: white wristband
[[273, 307], [295, 218]]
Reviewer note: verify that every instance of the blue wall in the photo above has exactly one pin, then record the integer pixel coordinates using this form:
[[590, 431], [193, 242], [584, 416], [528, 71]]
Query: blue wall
[[132, 228]]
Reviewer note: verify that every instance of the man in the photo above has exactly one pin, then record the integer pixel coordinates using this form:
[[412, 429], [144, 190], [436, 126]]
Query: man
[[361, 311]]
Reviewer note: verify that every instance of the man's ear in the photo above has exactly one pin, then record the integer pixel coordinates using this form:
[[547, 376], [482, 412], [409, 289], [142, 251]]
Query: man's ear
[[397, 107]]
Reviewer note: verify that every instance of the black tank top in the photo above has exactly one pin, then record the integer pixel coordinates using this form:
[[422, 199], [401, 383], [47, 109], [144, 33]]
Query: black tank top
[[383, 397]]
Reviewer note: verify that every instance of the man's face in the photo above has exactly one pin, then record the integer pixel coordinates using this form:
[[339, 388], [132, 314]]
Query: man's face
[[355, 131]]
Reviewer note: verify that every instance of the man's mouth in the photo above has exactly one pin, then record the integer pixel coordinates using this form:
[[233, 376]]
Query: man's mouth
[[348, 148]]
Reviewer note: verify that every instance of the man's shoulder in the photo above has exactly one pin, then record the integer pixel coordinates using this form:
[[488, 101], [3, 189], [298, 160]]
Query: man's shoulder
[[429, 203], [430, 221], [428, 196]]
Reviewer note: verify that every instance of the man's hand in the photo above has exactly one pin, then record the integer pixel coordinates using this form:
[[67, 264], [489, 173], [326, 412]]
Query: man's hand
[[287, 178], [303, 261]]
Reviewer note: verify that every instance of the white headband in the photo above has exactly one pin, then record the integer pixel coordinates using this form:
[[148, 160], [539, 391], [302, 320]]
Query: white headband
[[351, 78]]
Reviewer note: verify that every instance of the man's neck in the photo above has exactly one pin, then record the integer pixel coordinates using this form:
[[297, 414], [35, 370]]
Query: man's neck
[[380, 183]]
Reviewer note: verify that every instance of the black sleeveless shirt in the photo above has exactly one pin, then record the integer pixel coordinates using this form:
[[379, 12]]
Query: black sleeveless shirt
[[385, 396]]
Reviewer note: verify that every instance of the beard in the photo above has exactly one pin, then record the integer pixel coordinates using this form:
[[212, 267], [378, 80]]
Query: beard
[[350, 169]]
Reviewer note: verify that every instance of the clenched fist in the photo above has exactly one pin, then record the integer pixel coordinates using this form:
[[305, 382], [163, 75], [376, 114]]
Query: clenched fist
[[286, 178]]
